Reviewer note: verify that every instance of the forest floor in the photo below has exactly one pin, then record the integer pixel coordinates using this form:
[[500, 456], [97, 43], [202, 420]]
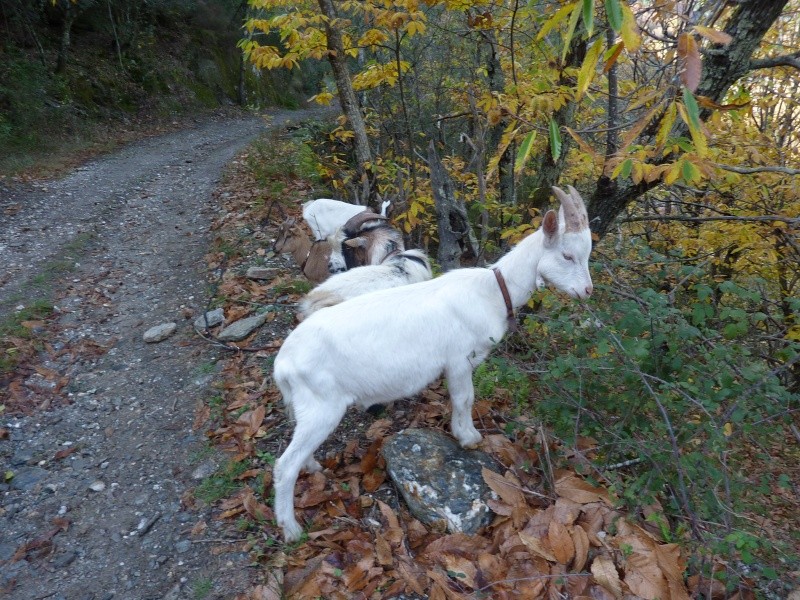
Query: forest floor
[[96, 439]]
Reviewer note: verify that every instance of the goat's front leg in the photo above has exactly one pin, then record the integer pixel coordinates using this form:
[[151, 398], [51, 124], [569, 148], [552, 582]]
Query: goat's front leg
[[462, 395]]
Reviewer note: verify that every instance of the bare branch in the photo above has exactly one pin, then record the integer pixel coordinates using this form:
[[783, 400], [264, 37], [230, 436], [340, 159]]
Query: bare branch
[[786, 60], [754, 219], [765, 169]]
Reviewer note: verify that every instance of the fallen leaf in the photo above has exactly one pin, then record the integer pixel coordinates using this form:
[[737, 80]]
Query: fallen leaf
[[605, 574], [505, 487], [538, 546], [581, 542], [561, 543], [573, 488]]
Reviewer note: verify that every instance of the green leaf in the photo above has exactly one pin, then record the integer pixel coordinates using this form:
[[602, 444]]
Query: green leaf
[[555, 140], [691, 107], [614, 14], [573, 22], [588, 16], [524, 151]]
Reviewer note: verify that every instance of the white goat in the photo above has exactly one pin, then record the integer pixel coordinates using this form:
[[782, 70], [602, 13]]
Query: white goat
[[404, 268], [390, 344], [324, 216]]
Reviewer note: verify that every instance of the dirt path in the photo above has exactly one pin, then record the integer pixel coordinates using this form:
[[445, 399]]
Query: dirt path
[[91, 497]]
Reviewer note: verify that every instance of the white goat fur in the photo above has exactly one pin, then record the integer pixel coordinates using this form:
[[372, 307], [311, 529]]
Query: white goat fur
[[392, 343], [401, 269], [324, 216]]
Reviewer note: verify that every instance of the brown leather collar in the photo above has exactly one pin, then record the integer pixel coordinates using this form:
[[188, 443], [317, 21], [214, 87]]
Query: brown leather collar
[[501, 282]]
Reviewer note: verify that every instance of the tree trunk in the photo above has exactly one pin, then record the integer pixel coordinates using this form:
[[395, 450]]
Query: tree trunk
[[723, 66], [455, 234], [547, 171], [63, 50], [349, 102]]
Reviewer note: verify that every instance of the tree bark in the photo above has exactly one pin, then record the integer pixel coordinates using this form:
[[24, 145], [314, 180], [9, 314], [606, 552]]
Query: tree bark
[[66, 31], [455, 234], [349, 101]]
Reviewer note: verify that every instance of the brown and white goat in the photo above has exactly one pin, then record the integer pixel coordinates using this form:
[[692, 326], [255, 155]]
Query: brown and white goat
[[311, 256], [368, 239]]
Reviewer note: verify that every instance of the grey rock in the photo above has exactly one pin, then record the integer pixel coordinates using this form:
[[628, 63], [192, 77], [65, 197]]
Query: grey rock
[[159, 333], [65, 559], [440, 481], [183, 546], [27, 477], [260, 273], [242, 328], [205, 469], [214, 318]]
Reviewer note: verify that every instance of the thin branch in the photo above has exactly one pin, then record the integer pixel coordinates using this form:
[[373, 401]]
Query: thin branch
[[786, 60], [765, 169], [754, 219]]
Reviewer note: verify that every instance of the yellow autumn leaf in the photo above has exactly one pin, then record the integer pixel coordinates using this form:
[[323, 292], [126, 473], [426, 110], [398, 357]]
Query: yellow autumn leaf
[[727, 429], [588, 68], [630, 30]]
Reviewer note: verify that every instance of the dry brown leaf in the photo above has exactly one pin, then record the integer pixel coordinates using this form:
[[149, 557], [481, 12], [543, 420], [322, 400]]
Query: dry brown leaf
[[441, 578], [561, 543], [64, 453], [199, 528], [201, 415], [692, 61], [389, 515], [581, 542], [254, 508], [383, 550], [538, 546], [378, 429], [714, 35], [505, 487], [605, 574], [570, 486], [462, 570], [411, 575]]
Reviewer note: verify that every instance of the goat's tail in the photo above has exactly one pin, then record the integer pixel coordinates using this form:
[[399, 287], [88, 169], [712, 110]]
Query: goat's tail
[[318, 300]]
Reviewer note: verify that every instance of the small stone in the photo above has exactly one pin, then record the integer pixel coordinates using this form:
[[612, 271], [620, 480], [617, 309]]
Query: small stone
[[159, 333], [242, 328], [97, 486], [64, 560], [205, 469], [214, 318], [26, 478], [183, 546], [259, 273]]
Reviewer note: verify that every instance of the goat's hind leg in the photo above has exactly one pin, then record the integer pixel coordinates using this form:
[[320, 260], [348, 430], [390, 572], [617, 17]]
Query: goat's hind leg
[[315, 422]]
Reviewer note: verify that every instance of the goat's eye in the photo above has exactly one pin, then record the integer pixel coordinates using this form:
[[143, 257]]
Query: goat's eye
[[569, 257]]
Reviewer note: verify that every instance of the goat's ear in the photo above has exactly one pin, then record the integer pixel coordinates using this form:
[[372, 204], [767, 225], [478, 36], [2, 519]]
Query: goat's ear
[[550, 227], [358, 242]]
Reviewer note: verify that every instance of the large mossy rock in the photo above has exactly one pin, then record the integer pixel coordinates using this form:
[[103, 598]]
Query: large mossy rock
[[440, 481]]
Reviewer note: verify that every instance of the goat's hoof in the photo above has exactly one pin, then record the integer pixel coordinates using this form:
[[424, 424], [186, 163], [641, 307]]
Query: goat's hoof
[[470, 440], [292, 531], [312, 466]]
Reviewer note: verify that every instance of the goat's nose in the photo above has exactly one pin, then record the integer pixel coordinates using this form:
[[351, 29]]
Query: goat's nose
[[589, 289]]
